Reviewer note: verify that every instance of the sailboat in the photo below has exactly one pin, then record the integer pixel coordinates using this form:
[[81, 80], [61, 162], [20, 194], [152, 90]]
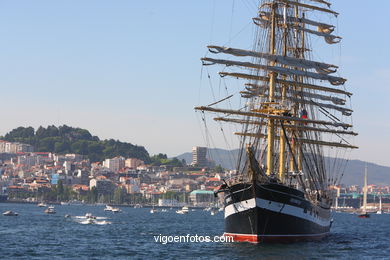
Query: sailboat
[[289, 120], [364, 213], [380, 210]]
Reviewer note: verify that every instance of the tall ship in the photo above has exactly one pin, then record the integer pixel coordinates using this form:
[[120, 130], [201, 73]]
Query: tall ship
[[293, 117]]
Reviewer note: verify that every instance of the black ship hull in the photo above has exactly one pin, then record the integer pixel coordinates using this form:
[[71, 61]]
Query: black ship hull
[[273, 213]]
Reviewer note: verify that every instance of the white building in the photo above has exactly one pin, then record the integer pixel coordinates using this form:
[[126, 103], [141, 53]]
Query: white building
[[114, 164]]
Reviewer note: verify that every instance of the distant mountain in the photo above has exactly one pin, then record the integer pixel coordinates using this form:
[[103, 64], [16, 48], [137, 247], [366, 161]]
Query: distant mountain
[[225, 158], [353, 175]]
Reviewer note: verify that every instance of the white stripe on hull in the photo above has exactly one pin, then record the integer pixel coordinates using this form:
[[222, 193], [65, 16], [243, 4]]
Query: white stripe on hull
[[239, 207], [275, 207]]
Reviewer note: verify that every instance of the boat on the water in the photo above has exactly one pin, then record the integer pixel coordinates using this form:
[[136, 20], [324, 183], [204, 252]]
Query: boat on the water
[[364, 213], [50, 210], [112, 209], [293, 118], [42, 204], [10, 213], [116, 210], [380, 210], [108, 208], [183, 210]]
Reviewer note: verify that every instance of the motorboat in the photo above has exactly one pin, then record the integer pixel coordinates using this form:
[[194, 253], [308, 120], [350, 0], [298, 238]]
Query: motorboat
[[41, 204], [116, 210], [183, 210], [10, 213], [108, 208], [50, 210]]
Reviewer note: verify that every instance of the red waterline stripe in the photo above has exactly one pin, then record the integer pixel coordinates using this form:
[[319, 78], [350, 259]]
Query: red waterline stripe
[[274, 239]]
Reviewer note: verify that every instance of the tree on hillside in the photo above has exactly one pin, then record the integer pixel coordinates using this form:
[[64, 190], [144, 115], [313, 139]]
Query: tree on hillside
[[65, 139]]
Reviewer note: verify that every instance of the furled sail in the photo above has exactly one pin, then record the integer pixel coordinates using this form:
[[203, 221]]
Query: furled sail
[[266, 17], [287, 126], [271, 116], [303, 141], [290, 61], [344, 111], [291, 72], [321, 31], [257, 90], [286, 82]]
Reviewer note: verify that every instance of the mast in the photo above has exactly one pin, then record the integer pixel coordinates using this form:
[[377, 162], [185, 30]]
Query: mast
[[271, 122], [296, 90], [282, 139], [365, 192]]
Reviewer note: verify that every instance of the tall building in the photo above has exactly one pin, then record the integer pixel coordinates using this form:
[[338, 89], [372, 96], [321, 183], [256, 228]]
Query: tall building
[[199, 156], [114, 164]]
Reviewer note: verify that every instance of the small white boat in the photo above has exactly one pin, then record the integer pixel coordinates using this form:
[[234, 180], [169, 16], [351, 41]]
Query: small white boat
[[164, 210], [64, 203], [116, 210], [10, 213], [137, 206], [50, 210], [41, 204], [108, 208], [380, 211], [152, 211], [183, 210]]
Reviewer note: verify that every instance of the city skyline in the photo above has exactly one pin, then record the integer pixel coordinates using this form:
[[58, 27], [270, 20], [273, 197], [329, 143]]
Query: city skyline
[[131, 71]]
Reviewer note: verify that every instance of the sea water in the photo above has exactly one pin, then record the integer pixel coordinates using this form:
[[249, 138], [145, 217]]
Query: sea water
[[137, 234]]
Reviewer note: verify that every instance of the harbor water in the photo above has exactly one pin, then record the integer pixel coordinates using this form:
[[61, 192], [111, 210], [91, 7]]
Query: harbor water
[[132, 234]]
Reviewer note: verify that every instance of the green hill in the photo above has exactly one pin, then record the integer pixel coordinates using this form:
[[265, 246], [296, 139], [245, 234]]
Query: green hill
[[65, 139]]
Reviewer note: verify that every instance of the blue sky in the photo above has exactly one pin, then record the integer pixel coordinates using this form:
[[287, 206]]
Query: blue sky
[[130, 70]]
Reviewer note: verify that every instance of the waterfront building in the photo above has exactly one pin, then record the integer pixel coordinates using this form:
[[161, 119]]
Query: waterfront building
[[202, 197]]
